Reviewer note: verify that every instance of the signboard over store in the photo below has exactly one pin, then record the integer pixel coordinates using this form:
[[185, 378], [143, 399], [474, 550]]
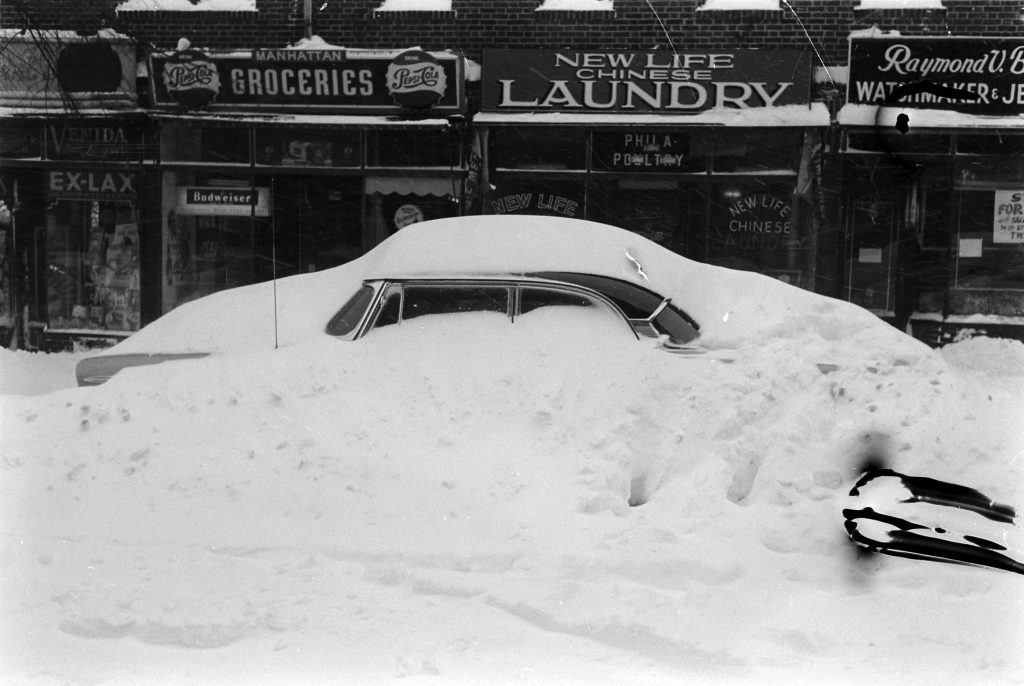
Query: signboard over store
[[333, 81], [990, 69], [643, 82]]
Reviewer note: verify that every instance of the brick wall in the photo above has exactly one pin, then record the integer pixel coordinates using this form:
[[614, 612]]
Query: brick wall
[[473, 25]]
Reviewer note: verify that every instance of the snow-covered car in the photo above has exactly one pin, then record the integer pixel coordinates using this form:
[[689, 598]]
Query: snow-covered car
[[516, 278]]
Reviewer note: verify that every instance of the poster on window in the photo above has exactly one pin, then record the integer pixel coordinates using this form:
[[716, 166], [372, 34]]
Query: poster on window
[[1009, 217]]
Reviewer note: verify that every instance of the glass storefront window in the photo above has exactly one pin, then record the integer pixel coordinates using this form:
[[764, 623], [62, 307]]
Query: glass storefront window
[[413, 148], [293, 147], [756, 151], [754, 225], [653, 206], [646, 151], [186, 142], [511, 194], [990, 144], [539, 148], [301, 224], [92, 280], [989, 256]]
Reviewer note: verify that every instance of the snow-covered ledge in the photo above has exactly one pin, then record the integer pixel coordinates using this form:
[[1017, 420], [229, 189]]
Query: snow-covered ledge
[[186, 6], [576, 6], [739, 5]]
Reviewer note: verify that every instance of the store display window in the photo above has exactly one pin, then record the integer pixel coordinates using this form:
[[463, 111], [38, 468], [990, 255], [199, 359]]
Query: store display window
[[539, 148], [756, 151], [990, 240], [222, 232], [92, 279], [400, 147], [296, 147], [194, 142], [754, 224]]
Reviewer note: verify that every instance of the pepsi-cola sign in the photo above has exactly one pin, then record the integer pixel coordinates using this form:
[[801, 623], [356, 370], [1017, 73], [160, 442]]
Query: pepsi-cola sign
[[416, 80]]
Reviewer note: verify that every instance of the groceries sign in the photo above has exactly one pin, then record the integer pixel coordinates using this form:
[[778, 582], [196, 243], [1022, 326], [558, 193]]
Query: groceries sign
[[320, 80], [647, 82], [990, 70]]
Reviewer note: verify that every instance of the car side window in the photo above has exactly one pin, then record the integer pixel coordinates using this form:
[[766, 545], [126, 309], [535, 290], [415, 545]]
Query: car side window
[[567, 308], [390, 308], [531, 299], [421, 301], [675, 324], [351, 313]]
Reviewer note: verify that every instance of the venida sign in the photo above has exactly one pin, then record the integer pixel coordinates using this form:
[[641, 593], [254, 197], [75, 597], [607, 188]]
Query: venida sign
[[991, 69], [658, 82]]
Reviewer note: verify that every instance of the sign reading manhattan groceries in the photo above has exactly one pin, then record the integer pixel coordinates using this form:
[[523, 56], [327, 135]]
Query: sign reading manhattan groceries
[[649, 82], [333, 80], [992, 69]]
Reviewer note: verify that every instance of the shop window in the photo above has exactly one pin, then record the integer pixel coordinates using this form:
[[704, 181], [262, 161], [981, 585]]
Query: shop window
[[756, 151], [308, 147], [990, 144], [990, 250], [511, 194], [652, 206], [754, 225], [646, 151], [892, 142], [989, 171], [297, 225], [213, 144], [92, 279], [538, 148], [412, 148], [20, 139]]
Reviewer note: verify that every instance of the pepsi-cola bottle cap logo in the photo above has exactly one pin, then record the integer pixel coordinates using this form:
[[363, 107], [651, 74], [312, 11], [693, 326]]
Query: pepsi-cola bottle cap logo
[[191, 78], [416, 80]]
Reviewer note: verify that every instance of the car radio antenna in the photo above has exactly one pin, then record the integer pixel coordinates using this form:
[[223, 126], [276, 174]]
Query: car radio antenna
[[273, 257]]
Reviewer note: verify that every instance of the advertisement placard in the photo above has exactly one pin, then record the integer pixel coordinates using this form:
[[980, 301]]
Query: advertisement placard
[[216, 201], [1009, 217]]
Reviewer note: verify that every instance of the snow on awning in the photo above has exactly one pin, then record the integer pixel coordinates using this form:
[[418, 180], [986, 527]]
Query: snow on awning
[[788, 115], [277, 119], [872, 115]]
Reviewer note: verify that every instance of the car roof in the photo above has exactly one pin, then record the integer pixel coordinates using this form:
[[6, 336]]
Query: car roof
[[508, 246]]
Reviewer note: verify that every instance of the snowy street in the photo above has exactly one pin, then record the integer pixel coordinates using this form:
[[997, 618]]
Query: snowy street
[[203, 525]]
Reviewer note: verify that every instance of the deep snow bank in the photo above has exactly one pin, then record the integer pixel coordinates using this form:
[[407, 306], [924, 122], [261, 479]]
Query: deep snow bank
[[544, 503]]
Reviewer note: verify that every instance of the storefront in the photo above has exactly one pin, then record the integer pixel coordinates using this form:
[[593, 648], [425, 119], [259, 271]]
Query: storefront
[[713, 155], [278, 162], [933, 183], [76, 154]]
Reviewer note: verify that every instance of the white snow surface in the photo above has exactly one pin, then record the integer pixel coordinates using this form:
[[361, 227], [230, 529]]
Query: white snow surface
[[450, 503], [187, 6]]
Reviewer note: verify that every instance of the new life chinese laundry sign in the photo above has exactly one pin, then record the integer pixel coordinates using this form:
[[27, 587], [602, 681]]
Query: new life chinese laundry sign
[[643, 82]]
